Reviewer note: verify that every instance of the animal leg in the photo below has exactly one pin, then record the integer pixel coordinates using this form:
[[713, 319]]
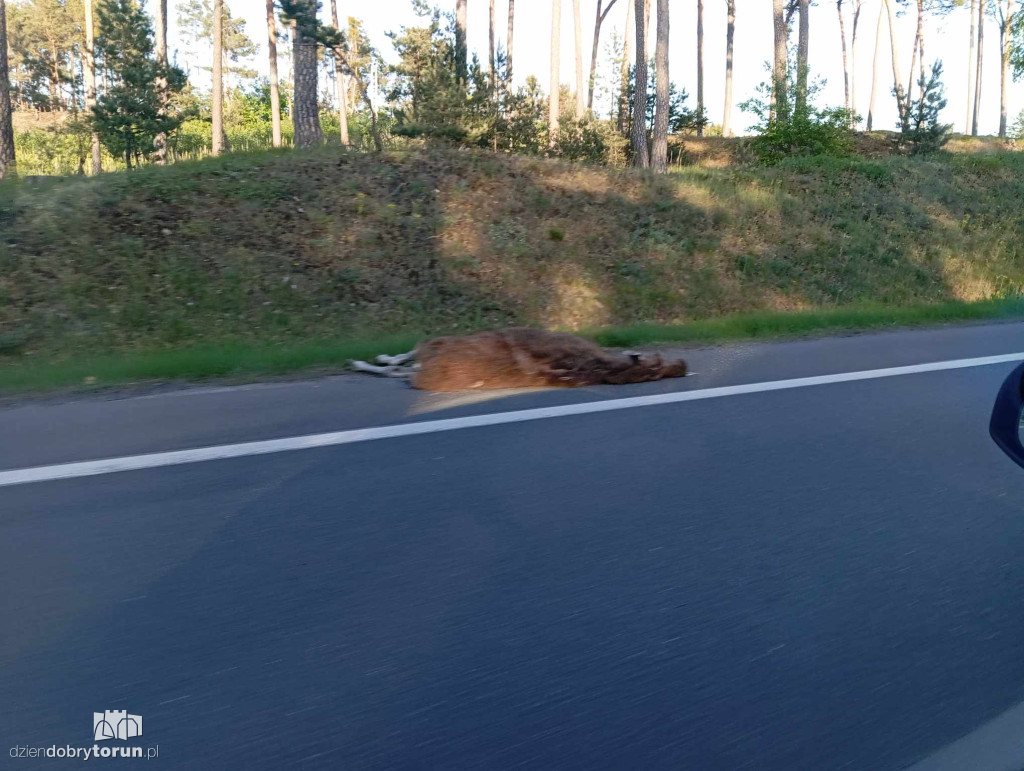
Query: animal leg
[[388, 371], [400, 359], [566, 378]]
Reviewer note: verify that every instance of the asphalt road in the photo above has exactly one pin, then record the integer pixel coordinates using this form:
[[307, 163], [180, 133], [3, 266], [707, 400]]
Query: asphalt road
[[818, 578]]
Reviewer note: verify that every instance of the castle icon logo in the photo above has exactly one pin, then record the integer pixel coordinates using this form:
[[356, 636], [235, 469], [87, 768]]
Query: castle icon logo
[[115, 724]]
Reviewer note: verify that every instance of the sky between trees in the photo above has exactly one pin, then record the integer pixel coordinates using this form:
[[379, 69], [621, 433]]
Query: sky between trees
[[945, 37]]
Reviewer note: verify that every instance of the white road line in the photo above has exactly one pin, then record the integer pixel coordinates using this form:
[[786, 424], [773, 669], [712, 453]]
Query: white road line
[[199, 454]]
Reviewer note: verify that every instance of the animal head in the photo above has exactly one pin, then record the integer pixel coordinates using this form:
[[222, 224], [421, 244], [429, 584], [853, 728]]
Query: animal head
[[643, 367], [675, 368]]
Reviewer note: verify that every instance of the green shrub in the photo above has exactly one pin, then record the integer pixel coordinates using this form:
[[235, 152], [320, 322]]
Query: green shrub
[[920, 129], [420, 130], [1017, 129], [784, 129], [817, 132], [586, 139]]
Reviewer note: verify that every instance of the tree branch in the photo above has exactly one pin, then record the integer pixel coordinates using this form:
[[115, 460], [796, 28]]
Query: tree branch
[[606, 10]]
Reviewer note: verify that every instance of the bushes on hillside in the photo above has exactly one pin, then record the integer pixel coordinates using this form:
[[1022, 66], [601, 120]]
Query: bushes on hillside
[[784, 129], [1017, 129], [57, 149], [586, 139], [920, 129]]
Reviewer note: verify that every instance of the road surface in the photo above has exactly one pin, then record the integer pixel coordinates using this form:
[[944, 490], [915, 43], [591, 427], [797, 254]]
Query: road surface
[[818, 577]]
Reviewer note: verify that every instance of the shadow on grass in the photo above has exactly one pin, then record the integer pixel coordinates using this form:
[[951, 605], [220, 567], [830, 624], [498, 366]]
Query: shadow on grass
[[151, 272]]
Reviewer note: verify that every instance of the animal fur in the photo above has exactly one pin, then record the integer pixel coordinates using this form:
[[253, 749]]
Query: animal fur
[[519, 358]]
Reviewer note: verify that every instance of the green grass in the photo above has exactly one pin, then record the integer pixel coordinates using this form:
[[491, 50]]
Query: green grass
[[228, 360], [233, 265], [247, 361]]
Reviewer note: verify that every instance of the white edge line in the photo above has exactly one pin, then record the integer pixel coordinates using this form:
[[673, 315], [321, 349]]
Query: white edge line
[[219, 452]]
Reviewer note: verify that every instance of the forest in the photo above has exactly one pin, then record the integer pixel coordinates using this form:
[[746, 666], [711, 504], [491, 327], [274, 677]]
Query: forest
[[213, 213], [89, 85]]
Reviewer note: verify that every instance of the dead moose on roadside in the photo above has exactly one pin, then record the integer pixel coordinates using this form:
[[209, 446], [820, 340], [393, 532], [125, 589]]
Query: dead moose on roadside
[[518, 358]]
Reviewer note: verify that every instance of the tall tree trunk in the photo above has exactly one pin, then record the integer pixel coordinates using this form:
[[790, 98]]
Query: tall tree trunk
[[978, 69], [553, 84], [490, 49], [627, 53], [340, 92], [7, 166], [361, 90], [730, 32], [160, 141], [55, 79], [638, 131], [781, 33], [508, 42], [918, 49], [876, 67], [970, 68], [52, 78], [460, 40], [700, 62], [217, 99], [598, 21], [901, 99], [305, 111], [578, 35], [846, 64], [90, 83], [853, 65], [378, 142], [647, 26], [659, 151], [802, 56], [1005, 28], [275, 89], [920, 61]]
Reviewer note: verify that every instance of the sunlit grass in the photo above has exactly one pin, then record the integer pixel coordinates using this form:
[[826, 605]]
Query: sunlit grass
[[150, 272]]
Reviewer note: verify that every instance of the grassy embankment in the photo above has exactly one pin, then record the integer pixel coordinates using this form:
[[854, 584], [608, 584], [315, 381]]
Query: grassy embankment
[[280, 260]]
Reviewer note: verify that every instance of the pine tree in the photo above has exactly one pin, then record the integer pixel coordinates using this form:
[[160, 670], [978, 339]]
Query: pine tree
[[802, 60], [779, 75], [920, 128], [730, 33], [1005, 13], [659, 146], [508, 41], [160, 143], [307, 33], [6, 127], [89, 71], [128, 116], [45, 37], [275, 90], [700, 61], [217, 77], [554, 85], [461, 44], [340, 90], [638, 130], [1017, 129], [195, 21], [598, 21]]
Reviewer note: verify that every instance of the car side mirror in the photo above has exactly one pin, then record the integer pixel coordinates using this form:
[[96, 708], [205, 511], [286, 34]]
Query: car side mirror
[[1006, 427]]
